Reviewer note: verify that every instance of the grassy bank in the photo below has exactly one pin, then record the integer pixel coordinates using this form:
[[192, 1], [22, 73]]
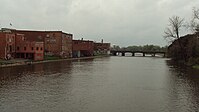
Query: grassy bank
[[51, 58], [193, 62], [195, 66], [4, 62]]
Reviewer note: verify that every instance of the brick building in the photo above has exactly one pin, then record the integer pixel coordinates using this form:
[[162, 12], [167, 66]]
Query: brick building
[[82, 48], [56, 43], [16, 46], [7, 48], [27, 49], [36, 44], [101, 48]]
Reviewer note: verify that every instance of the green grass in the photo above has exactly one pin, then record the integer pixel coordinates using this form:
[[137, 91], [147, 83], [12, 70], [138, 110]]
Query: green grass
[[51, 57], [3, 62], [195, 66]]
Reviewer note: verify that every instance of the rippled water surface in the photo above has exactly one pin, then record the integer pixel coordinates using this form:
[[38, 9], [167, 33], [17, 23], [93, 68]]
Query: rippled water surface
[[111, 84]]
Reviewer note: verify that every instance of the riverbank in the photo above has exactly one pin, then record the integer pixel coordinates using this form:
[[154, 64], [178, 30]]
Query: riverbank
[[191, 63], [196, 67], [29, 62]]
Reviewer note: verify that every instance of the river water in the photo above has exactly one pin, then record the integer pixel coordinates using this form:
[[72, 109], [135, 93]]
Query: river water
[[110, 84]]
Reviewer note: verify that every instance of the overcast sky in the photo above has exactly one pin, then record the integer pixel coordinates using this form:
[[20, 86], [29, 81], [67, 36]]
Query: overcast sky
[[120, 22]]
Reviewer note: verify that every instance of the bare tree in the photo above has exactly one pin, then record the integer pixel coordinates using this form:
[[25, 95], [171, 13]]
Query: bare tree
[[195, 20], [196, 13], [172, 32]]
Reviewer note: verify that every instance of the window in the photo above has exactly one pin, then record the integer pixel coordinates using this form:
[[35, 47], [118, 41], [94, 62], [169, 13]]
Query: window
[[10, 48], [22, 38], [39, 37], [24, 48], [10, 39], [37, 48], [41, 49], [17, 48], [47, 36], [32, 48]]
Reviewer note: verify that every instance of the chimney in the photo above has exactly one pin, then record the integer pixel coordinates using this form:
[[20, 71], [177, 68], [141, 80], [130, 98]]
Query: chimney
[[102, 40], [82, 39]]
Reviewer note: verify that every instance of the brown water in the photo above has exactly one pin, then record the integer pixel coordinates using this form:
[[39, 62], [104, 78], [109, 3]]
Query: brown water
[[112, 84]]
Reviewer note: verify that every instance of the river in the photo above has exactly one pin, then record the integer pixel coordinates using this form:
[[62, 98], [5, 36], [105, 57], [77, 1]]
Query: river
[[110, 84]]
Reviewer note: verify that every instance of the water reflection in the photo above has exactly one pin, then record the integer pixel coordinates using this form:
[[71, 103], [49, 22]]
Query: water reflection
[[115, 84], [54, 68], [184, 85], [31, 86]]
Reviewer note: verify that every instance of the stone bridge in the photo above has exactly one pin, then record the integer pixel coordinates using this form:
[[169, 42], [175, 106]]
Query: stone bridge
[[152, 53]]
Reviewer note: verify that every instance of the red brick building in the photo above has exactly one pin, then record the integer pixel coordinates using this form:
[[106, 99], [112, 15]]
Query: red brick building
[[56, 43], [36, 44], [7, 45], [17, 46], [101, 48], [82, 48], [27, 49]]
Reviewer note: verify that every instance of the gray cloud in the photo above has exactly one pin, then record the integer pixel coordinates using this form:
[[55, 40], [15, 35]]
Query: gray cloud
[[122, 22]]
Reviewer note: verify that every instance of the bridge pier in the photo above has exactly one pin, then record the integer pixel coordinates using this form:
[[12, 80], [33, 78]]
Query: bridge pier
[[115, 54], [123, 53], [143, 54], [164, 55], [133, 54], [153, 55]]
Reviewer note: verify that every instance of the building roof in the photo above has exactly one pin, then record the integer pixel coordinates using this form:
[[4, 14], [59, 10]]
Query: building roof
[[183, 39], [40, 31]]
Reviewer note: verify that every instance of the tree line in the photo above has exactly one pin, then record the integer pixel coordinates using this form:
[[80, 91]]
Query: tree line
[[141, 48]]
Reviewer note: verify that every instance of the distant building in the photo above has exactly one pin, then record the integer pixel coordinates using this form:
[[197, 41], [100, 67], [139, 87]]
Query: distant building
[[102, 48], [82, 48]]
